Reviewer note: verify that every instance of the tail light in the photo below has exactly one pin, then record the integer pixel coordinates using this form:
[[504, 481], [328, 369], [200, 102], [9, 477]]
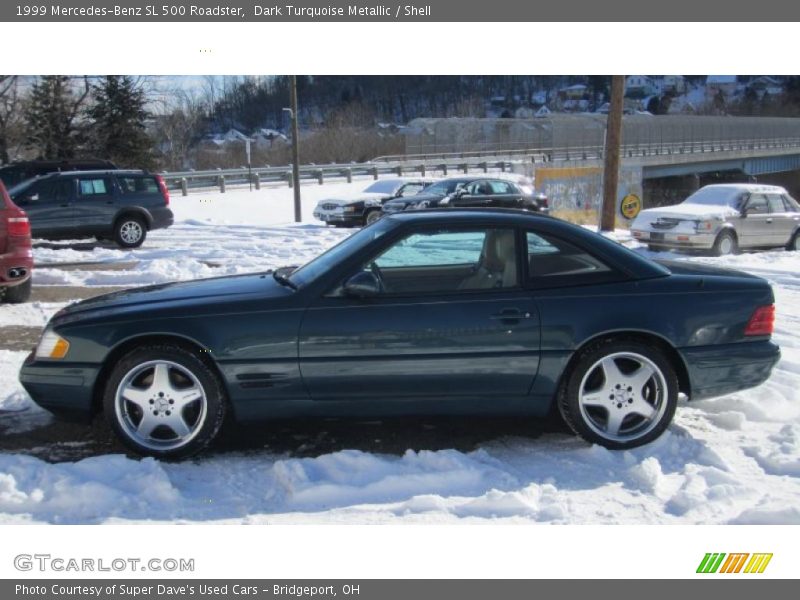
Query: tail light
[[163, 187], [18, 226], [762, 322]]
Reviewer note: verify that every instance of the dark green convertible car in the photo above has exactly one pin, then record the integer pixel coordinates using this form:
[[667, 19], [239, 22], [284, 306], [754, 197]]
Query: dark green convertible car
[[440, 311]]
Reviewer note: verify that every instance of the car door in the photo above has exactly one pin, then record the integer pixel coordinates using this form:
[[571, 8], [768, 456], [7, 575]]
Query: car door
[[443, 327], [505, 194], [475, 194], [783, 222], [50, 207], [95, 204], [755, 228]]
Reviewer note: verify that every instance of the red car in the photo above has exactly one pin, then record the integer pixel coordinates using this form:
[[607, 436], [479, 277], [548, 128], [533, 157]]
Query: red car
[[16, 253]]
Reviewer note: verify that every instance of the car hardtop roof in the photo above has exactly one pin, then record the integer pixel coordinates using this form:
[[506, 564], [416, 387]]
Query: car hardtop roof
[[466, 213], [749, 187], [95, 172], [634, 264], [476, 178]]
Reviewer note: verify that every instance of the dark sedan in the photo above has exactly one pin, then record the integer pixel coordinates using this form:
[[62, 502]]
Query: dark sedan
[[449, 312], [471, 192]]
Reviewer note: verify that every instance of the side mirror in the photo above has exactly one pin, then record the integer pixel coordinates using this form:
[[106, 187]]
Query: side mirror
[[362, 285]]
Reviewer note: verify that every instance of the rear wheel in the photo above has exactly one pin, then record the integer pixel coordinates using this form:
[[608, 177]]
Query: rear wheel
[[18, 293], [619, 394], [725, 244], [163, 400], [794, 242], [130, 232]]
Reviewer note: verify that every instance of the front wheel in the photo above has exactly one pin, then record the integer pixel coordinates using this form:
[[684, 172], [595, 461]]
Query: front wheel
[[130, 232], [372, 216], [619, 394], [163, 400], [725, 244]]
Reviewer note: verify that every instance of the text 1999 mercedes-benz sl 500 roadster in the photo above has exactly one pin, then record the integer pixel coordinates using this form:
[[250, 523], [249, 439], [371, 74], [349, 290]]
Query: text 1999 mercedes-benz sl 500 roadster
[[440, 311]]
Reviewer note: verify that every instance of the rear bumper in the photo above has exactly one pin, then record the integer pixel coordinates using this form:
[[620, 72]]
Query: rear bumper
[[698, 241], [66, 390], [162, 218], [15, 266], [726, 368]]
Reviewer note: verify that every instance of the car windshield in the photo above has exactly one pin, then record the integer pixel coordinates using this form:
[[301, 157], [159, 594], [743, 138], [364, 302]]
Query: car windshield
[[20, 187], [347, 247], [716, 196], [387, 186], [443, 188]]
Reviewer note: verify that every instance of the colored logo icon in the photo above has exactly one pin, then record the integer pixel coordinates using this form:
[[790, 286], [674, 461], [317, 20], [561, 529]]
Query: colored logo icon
[[630, 206], [742, 562]]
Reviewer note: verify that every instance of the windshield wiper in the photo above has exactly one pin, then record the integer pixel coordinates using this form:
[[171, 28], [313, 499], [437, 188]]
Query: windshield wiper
[[282, 276]]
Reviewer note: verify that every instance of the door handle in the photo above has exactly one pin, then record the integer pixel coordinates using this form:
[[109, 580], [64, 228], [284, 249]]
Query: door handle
[[510, 314], [769, 220]]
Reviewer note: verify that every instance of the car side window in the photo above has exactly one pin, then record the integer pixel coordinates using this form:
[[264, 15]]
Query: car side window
[[133, 185], [552, 259], [411, 189], [775, 203], [501, 187], [94, 187], [757, 205], [788, 206], [448, 261]]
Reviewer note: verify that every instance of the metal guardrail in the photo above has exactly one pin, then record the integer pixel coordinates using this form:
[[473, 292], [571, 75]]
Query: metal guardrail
[[185, 180], [463, 162]]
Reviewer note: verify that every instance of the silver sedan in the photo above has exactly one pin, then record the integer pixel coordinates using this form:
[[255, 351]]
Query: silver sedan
[[723, 219]]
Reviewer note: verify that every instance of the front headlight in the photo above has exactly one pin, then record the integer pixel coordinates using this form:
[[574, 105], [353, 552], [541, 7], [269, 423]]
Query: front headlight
[[703, 226], [52, 345]]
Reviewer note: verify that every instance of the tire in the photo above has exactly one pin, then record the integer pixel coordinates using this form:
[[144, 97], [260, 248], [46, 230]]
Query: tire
[[141, 394], [614, 368], [725, 244], [654, 248], [794, 242], [130, 231], [371, 217], [19, 293]]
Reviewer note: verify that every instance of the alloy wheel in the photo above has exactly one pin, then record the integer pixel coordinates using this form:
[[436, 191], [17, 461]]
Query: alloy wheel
[[623, 396]]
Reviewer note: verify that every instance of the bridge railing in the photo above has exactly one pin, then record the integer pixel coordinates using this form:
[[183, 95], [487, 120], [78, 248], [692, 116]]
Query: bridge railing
[[445, 164]]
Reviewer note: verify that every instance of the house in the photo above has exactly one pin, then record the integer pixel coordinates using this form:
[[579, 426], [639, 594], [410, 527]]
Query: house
[[640, 86], [572, 92], [266, 137], [673, 84], [765, 86], [726, 84]]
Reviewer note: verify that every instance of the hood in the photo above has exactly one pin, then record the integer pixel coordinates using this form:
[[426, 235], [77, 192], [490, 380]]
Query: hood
[[689, 211], [360, 197], [182, 294]]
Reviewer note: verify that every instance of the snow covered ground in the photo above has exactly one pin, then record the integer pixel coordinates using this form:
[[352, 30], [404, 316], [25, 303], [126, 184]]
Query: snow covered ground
[[734, 459]]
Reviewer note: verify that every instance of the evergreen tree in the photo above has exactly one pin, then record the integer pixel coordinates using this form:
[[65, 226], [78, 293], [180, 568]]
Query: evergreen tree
[[51, 115], [118, 119]]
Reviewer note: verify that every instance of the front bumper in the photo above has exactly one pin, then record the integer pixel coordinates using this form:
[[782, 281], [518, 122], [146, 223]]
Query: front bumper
[[667, 239], [64, 389], [339, 218], [727, 368]]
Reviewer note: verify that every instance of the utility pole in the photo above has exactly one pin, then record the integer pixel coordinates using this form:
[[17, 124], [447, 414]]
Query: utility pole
[[298, 216], [611, 154]]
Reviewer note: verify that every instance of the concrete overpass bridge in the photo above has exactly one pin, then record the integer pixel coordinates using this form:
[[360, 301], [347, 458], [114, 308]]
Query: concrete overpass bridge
[[664, 158]]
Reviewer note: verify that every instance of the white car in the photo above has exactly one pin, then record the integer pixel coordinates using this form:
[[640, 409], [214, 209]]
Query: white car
[[365, 207], [723, 218]]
